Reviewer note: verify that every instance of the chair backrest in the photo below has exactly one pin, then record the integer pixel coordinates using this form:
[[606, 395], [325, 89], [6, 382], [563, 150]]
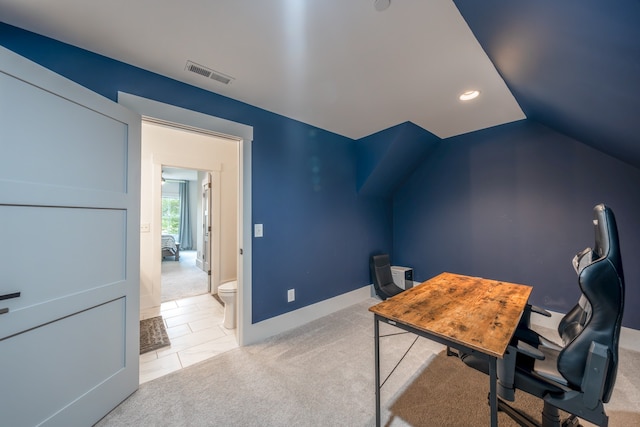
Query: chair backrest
[[598, 316], [380, 268], [381, 276]]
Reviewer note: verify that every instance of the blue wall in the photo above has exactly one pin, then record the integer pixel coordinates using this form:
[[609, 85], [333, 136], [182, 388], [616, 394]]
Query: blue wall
[[515, 203], [318, 231], [512, 202], [387, 158]]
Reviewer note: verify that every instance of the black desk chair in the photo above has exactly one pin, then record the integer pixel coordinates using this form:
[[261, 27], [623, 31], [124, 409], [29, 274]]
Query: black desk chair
[[380, 268], [578, 375]]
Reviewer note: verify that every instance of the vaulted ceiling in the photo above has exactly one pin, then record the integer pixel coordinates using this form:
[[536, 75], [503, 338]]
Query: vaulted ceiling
[[573, 65], [345, 67]]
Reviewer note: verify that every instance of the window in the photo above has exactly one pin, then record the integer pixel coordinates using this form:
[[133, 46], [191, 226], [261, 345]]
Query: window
[[170, 212]]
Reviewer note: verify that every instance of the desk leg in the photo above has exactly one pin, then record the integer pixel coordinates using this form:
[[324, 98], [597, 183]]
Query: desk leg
[[376, 330], [493, 395]]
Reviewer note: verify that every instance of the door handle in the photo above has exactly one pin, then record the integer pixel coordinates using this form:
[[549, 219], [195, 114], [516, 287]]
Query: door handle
[[8, 296]]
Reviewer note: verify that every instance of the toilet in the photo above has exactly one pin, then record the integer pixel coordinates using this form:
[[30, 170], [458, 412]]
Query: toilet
[[227, 293]]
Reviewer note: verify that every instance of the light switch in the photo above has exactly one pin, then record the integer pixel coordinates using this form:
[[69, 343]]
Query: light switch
[[257, 230]]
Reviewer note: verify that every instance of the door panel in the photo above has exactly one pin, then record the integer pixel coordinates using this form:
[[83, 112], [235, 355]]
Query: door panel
[[40, 388], [69, 209], [93, 146], [85, 247], [62, 145]]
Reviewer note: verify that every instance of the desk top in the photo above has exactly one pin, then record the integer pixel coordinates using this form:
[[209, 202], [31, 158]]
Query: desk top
[[479, 313]]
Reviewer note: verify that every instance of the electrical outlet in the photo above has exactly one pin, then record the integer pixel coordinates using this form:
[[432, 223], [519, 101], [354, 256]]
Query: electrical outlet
[[291, 295]]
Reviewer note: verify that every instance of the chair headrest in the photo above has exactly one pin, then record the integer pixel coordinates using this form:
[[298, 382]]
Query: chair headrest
[[381, 260], [603, 230]]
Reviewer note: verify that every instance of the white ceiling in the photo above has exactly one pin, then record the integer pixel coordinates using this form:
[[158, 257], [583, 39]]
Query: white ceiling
[[179, 174], [339, 65]]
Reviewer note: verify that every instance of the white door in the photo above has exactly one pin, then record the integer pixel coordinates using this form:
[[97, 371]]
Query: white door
[[206, 226], [69, 249]]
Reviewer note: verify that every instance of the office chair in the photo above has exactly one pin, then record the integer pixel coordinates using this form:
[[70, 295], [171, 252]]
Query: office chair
[[577, 375], [380, 268]]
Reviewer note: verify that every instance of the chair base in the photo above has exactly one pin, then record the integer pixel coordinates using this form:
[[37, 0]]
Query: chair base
[[550, 416]]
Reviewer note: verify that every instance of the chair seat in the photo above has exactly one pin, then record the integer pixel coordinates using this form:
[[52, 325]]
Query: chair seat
[[548, 367], [391, 289], [535, 385]]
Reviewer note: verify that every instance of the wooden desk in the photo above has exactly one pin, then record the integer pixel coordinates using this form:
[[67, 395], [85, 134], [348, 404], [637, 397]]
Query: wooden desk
[[471, 314]]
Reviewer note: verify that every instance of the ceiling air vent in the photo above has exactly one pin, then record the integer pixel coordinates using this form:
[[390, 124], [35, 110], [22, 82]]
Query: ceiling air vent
[[208, 73]]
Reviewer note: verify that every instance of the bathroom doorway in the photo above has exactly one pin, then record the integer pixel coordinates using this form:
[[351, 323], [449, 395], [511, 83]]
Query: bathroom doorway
[[188, 159], [190, 191], [242, 137]]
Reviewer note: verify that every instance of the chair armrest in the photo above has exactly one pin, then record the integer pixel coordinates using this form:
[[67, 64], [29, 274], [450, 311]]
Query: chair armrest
[[528, 350], [549, 344], [538, 310], [507, 367], [524, 332]]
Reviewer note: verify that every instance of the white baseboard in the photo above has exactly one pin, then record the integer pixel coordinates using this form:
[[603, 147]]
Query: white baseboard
[[276, 325], [629, 338]]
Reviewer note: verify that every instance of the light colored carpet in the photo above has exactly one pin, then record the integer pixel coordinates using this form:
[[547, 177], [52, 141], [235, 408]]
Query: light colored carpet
[[322, 374], [182, 279]]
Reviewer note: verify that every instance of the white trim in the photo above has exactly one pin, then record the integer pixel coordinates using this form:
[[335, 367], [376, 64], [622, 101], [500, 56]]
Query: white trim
[[244, 134], [182, 116], [246, 329], [629, 338], [294, 319], [215, 213]]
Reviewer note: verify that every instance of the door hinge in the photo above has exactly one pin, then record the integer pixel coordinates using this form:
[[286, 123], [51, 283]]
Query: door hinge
[[240, 251]]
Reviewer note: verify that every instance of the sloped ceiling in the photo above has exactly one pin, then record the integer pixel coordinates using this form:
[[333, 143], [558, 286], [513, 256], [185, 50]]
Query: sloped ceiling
[[572, 65]]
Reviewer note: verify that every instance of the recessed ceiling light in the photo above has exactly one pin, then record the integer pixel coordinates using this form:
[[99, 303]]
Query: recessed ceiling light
[[381, 5], [469, 95]]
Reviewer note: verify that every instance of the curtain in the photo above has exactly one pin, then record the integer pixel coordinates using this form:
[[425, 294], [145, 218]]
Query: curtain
[[185, 217]]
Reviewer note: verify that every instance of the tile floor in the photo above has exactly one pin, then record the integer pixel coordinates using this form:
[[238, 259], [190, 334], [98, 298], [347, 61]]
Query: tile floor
[[194, 326]]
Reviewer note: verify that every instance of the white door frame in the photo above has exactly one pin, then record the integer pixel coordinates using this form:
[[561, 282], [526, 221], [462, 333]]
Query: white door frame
[[244, 134], [207, 230]]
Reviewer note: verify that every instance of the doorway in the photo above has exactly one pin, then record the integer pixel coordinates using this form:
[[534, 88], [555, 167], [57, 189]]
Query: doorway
[[179, 158], [246, 332], [185, 226], [186, 233]]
